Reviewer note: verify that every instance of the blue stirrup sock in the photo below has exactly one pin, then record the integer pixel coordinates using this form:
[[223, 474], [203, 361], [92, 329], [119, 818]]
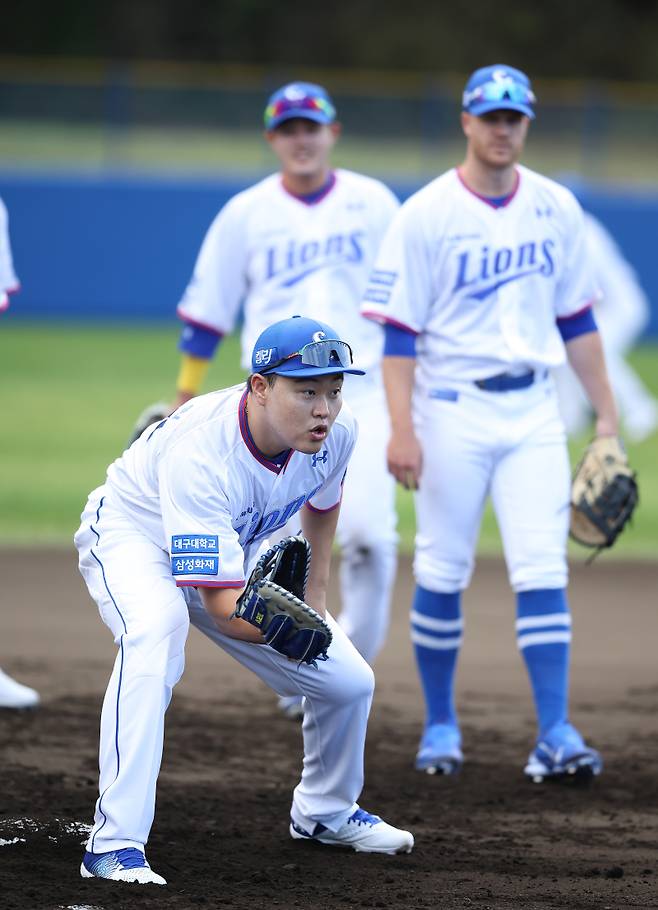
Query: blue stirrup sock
[[543, 635], [436, 632]]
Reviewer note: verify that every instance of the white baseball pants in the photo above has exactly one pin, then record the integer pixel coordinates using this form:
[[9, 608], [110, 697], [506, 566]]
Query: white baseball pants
[[510, 445], [130, 579]]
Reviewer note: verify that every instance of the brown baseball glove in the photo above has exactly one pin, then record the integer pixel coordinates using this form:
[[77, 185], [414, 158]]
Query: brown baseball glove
[[604, 493]]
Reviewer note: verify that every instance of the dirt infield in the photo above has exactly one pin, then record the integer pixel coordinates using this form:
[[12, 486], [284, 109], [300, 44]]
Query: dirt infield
[[485, 840]]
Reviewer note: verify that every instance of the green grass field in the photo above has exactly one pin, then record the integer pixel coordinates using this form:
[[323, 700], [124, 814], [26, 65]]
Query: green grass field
[[26, 145], [72, 393]]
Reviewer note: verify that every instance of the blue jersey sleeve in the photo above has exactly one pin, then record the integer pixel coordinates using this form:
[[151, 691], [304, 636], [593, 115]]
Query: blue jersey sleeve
[[199, 341], [398, 342], [579, 324]]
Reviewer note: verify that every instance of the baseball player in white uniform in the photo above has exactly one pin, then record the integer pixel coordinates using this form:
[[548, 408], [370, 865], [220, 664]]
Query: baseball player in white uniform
[[622, 313], [12, 694], [303, 241], [169, 539], [482, 282]]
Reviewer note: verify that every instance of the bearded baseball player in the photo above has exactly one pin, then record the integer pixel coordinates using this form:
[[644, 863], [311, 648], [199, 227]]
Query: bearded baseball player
[[303, 241], [172, 536], [483, 284], [13, 695]]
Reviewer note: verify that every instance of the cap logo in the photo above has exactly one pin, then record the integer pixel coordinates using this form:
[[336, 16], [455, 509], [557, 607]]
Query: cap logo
[[293, 93], [318, 336], [263, 356], [502, 77]]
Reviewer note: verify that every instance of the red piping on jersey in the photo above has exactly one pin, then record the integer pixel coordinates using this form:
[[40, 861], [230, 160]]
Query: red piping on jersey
[[323, 511], [484, 198], [197, 324], [210, 584], [330, 509], [386, 320], [329, 187], [246, 438], [576, 314]]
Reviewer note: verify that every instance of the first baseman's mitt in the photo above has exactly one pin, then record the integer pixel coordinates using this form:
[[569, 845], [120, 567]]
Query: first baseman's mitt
[[603, 495], [154, 413], [273, 601]]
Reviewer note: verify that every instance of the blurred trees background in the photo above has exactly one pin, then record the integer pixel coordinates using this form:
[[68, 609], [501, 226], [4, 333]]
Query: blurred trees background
[[604, 39]]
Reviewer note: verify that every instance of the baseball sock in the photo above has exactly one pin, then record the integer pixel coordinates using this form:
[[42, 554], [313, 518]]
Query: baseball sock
[[436, 633], [543, 635]]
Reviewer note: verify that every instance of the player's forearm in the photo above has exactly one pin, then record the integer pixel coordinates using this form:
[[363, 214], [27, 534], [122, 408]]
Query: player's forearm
[[190, 377], [399, 382], [319, 528], [585, 354], [220, 605]]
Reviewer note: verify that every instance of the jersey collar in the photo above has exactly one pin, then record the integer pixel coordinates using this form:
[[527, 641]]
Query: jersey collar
[[497, 204], [316, 196], [276, 465]]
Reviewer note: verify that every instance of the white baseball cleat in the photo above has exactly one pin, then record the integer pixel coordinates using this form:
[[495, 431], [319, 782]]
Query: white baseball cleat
[[363, 832], [15, 695], [127, 865]]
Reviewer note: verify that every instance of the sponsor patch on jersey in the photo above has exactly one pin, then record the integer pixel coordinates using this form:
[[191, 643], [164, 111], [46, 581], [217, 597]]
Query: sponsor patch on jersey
[[194, 543], [194, 565]]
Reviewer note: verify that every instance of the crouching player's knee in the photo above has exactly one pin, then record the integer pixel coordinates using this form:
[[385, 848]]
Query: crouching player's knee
[[350, 681]]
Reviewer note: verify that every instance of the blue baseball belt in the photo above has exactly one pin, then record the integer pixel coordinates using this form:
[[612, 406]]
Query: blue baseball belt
[[506, 382]]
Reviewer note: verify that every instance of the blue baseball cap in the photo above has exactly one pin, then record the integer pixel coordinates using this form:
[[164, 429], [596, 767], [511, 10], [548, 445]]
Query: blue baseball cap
[[498, 88], [302, 347], [299, 99]]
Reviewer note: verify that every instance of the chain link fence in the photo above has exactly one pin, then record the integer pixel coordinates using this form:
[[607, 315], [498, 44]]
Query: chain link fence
[[89, 115]]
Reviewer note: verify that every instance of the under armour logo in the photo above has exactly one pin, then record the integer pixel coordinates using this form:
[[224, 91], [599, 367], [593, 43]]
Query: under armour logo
[[319, 456], [545, 212]]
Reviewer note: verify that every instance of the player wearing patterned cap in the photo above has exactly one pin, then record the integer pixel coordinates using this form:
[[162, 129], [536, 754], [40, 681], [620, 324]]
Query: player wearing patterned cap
[[483, 283], [303, 241], [169, 539]]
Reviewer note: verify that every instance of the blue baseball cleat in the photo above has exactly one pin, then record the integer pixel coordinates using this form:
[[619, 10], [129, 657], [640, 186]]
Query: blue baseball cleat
[[440, 750], [561, 752], [127, 865]]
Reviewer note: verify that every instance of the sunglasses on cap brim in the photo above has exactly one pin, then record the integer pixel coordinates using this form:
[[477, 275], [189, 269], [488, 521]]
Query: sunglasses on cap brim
[[329, 352], [499, 91]]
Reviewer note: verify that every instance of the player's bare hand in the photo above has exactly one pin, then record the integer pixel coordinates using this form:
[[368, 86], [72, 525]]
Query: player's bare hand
[[405, 459]]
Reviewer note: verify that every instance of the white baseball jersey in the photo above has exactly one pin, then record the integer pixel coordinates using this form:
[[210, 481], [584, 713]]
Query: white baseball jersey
[[277, 256], [197, 487], [482, 286], [8, 280]]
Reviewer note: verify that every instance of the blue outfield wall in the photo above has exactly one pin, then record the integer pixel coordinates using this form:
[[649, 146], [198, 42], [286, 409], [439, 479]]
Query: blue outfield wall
[[123, 247]]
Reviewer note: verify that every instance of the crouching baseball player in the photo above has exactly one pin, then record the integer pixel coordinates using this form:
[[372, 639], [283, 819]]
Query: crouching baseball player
[[168, 540]]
